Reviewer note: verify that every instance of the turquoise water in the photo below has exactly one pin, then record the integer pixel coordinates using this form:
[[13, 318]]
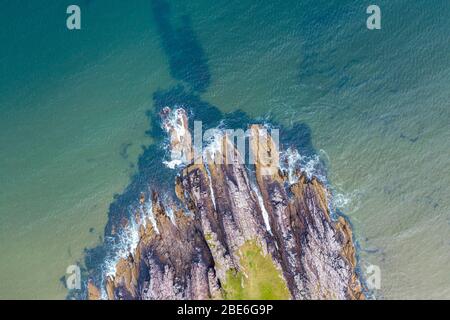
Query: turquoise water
[[74, 103]]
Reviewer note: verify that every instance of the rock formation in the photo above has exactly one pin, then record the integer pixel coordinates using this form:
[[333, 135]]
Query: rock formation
[[236, 231]]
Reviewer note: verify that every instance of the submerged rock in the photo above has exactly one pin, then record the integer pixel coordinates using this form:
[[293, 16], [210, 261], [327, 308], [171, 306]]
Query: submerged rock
[[236, 233]]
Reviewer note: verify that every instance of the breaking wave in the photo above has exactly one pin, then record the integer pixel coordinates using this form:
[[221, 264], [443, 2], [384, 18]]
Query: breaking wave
[[293, 162]]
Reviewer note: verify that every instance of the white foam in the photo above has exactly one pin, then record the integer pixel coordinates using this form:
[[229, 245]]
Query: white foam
[[173, 163], [345, 201], [127, 242], [292, 161], [174, 124], [128, 237]]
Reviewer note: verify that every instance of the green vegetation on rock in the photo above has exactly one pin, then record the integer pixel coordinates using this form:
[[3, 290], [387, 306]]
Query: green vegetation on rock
[[209, 240], [258, 279]]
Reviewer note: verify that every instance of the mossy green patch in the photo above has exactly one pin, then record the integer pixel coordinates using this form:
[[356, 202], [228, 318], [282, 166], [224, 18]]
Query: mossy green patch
[[208, 236], [258, 279], [209, 240]]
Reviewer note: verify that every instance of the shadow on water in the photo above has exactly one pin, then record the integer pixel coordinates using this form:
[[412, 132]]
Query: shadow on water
[[187, 60], [189, 65]]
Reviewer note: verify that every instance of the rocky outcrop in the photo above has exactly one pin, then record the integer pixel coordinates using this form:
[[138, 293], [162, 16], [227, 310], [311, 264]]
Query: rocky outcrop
[[236, 232]]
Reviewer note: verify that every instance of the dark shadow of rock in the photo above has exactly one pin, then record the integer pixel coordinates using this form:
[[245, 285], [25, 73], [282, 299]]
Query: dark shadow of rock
[[187, 60]]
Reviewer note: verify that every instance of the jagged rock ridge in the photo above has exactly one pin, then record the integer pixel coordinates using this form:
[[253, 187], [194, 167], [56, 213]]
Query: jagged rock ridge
[[236, 233]]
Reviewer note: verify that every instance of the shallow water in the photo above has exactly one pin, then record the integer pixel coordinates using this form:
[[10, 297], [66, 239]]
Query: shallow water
[[376, 103]]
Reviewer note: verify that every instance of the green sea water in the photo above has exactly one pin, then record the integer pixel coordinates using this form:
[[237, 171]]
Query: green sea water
[[73, 119]]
